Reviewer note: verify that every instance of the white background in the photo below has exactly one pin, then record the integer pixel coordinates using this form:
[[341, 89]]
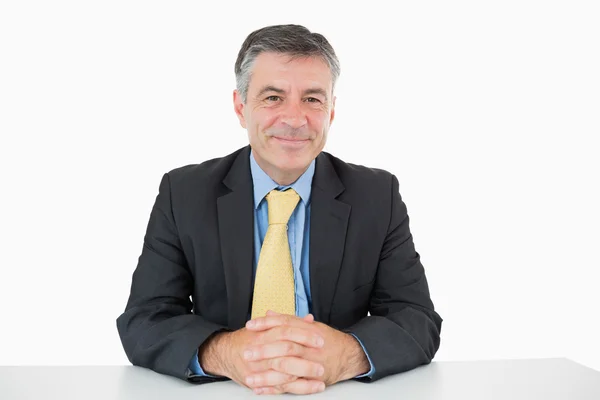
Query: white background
[[489, 115]]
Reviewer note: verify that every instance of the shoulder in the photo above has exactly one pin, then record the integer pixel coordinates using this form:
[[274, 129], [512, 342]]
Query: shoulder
[[373, 193], [356, 177], [206, 174]]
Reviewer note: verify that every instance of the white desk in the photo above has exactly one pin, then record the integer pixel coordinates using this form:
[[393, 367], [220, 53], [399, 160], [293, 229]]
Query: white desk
[[547, 379]]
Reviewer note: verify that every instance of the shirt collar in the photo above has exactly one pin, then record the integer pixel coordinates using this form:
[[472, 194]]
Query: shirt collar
[[263, 183]]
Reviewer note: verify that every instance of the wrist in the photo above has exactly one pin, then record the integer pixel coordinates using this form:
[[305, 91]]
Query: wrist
[[357, 362], [211, 354]]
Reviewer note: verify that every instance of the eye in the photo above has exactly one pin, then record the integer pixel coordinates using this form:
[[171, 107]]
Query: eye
[[313, 100], [273, 98]]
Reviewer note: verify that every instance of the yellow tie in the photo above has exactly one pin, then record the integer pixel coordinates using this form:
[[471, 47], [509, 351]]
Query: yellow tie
[[274, 282]]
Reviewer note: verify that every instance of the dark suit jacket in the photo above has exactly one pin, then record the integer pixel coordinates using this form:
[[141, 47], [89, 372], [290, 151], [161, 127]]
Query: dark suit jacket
[[199, 244]]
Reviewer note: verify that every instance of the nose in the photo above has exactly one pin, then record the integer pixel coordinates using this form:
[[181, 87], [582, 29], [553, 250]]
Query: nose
[[293, 115]]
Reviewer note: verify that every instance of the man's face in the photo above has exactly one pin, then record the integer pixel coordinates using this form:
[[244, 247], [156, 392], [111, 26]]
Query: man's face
[[289, 109]]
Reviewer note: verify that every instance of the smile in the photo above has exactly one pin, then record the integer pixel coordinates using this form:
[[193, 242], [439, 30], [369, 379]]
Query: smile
[[291, 142]]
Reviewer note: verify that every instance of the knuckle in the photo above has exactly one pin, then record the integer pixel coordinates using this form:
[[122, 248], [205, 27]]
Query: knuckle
[[298, 349], [288, 332], [288, 348], [283, 364], [255, 367], [258, 353], [317, 370], [282, 332], [275, 364]]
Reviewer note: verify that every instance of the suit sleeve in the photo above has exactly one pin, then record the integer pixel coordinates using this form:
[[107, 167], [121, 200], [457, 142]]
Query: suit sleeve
[[403, 330], [158, 329]]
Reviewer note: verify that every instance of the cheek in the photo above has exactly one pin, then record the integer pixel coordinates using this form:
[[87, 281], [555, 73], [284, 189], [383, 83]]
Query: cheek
[[263, 119], [318, 123]]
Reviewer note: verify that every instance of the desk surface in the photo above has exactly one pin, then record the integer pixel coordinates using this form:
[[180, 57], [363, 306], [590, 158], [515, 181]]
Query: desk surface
[[548, 379]]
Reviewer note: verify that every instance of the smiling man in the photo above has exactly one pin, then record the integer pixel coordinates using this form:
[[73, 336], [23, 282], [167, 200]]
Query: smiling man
[[263, 266], [287, 110]]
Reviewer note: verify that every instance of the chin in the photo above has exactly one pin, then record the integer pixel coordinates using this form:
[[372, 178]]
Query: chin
[[289, 165], [290, 162]]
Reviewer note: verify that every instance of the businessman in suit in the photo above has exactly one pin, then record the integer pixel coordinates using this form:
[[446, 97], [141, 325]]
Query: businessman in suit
[[262, 266]]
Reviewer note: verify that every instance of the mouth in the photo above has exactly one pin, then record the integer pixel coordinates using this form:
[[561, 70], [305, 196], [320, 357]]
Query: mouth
[[291, 142], [291, 139]]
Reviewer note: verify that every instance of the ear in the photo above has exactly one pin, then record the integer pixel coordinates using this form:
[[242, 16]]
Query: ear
[[238, 107]]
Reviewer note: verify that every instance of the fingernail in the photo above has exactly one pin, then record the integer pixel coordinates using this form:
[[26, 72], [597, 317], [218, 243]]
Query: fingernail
[[250, 380], [320, 342], [321, 387], [250, 324], [320, 371], [248, 354], [258, 390]]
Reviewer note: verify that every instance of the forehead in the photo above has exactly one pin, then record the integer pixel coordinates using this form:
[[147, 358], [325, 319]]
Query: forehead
[[285, 71]]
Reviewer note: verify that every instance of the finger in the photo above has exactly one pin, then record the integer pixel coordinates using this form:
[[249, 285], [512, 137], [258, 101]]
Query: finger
[[304, 386], [262, 365], [258, 324], [305, 337], [309, 318], [272, 313], [268, 390], [269, 378], [270, 321], [274, 349], [299, 386], [296, 366]]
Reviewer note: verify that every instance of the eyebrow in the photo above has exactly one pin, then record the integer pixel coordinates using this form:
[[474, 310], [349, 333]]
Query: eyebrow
[[270, 88]]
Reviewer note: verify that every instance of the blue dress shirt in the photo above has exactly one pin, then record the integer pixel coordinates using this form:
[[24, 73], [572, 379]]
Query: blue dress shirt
[[298, 236]]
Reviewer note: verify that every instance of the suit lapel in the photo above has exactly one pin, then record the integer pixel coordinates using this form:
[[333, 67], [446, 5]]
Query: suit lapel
[[328, 225], [236, 233]]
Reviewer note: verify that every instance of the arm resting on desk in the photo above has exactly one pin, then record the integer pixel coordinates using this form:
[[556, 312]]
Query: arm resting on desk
[[403, 330], [157, 329]]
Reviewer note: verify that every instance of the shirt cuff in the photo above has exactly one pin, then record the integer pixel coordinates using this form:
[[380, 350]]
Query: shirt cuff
[[372, 371], [194, 369]]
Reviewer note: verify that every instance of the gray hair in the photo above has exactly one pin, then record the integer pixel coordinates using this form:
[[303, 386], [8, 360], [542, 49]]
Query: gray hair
[[293, 40]]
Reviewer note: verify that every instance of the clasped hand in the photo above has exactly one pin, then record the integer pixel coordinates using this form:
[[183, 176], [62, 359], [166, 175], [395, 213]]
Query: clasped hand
[[286, 354]]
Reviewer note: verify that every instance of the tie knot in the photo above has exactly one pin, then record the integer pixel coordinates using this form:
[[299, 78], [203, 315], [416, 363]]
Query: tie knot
[[281, 205]]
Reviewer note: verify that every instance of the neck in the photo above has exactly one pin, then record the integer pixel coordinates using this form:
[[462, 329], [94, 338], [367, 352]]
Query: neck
[[282, 178]]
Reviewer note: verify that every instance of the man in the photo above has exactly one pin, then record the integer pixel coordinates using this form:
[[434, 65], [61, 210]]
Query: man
[[262, 266]]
